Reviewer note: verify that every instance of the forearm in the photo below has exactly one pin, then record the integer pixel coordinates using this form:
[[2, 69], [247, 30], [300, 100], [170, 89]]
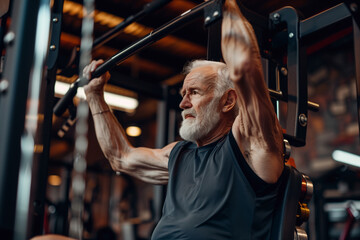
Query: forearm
[[238, 43], [147, 164], [109, 132], [257, 120], [241, 54]]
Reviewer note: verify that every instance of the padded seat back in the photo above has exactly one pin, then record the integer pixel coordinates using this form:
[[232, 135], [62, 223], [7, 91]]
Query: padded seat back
[[284, 218]]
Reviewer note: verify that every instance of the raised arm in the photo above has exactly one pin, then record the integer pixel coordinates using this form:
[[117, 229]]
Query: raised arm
[[256, 128], [149, 165]]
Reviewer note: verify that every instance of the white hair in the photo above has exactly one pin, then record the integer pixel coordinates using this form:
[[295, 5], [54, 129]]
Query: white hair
[[223, 82]]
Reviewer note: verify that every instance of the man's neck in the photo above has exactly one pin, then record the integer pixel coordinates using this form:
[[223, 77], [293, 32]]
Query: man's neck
[[218, 132]]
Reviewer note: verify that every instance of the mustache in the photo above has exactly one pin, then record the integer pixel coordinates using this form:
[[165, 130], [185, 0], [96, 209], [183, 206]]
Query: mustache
[[190, 111]]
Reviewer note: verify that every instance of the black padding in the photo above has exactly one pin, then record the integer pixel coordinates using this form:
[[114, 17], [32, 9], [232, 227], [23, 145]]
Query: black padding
[[285, 211]]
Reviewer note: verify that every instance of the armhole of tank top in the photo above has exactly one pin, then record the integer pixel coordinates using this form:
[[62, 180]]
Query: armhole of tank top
[[175, 153], [259, 186]]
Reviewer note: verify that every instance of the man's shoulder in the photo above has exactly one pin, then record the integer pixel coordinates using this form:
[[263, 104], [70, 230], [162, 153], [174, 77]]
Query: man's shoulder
[[178, 146]]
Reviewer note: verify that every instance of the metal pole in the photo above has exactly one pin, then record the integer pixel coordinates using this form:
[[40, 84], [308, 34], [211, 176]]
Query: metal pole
[[161, 140], [46, 103], [13, 95], [31, 139], [356, 29]]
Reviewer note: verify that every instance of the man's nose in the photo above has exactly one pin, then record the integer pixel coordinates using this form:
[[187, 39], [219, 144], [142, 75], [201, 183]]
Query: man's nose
[[185, 103]]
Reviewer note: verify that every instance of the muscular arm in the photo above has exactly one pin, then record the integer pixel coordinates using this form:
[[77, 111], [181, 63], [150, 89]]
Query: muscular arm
[[149, 165], [256, 128]]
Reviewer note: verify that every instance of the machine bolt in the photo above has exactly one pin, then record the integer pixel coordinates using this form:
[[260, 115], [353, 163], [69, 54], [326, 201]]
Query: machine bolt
[[4, 85], [52, 47], [215, 14], [9, 38], [284, 71], [37, 206], [276, 16], [52, 209], [287, 150], [207, 19], [303, 120], [353, 7], [291, 35], [55, 20]]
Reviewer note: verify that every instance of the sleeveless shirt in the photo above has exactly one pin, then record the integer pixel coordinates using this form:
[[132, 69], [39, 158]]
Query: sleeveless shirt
[[213, 194]]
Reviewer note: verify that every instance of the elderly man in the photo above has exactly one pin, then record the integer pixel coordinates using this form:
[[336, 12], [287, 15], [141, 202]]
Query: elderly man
[[223, 179]]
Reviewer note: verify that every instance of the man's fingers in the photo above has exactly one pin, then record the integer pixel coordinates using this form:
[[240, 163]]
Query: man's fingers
[[86, 72], [95, 64], [89, 69]]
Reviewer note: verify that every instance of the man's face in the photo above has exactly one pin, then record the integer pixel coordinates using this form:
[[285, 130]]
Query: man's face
[[200, 106]]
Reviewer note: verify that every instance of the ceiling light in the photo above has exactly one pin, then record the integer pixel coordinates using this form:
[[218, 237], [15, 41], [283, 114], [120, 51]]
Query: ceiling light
[[346, 157], [115, 101], [54, 180], [133, 131]]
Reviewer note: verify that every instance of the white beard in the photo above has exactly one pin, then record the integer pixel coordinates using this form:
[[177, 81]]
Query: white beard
[[194, 129]]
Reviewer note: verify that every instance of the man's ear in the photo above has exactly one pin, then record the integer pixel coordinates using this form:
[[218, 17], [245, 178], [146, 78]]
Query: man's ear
[[228, 100]]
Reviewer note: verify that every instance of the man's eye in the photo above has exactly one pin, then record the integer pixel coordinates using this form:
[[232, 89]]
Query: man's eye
[[194, 92]]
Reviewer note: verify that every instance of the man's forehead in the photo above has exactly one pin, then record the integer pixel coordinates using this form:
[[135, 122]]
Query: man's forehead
[[200, 75], [189, 85], [209, 69]]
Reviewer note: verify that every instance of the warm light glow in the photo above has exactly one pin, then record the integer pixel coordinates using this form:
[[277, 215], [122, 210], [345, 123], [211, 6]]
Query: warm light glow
[[346, 157], [38, 148], [120, 101], [54, 180], [133, 131], [116, 101]]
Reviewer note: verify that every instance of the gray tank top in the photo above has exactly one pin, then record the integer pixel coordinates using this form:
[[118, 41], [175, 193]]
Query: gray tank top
[[212, 193]]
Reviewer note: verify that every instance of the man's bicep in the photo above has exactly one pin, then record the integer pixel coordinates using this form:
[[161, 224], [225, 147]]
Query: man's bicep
[[257, 121]]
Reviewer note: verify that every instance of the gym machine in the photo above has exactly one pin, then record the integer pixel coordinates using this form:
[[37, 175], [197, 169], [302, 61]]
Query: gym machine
[[292, 90]]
